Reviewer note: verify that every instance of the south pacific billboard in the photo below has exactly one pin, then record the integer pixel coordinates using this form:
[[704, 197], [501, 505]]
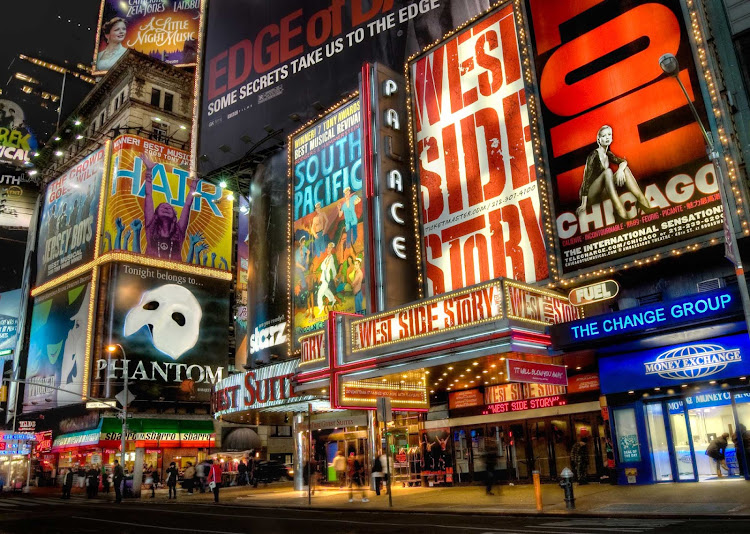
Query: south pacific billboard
[[173, 329], [58, 347], [474, 154], [163, 29], [70, 215], [155, 208], [328, 241], [628, 166]]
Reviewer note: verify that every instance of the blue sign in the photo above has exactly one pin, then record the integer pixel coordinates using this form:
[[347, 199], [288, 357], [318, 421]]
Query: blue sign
[[709, 359], [688, 310]]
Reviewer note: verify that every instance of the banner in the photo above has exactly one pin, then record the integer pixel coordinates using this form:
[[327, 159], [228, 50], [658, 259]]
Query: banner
[[173, 327], [165, 213], [58, 347], [17, 140], [68, 229], [18, 194], [10, 308], [163, 29], [327, 228], [480, 198], [628, 165], [243, 257]]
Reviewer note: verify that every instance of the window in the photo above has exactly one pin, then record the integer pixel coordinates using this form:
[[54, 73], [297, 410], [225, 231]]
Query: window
[[168, 101], [102, 117], [155, 97], [628, 447], [159, 130], [281, 431]]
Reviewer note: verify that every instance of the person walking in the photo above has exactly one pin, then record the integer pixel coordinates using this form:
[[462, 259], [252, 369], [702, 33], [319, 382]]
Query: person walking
[[717, 451], [201, 472], [105, 480], [356, 471], [378, 474], [154, 481], [242, 473], [67, 484], [172, 475], [214, 478], [490, 464], [189, 477], [339, 465], [117, 479], [579, 459], [92, 482]]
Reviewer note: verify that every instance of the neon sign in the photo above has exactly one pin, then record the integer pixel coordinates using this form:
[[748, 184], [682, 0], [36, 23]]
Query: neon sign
[[525, 404]]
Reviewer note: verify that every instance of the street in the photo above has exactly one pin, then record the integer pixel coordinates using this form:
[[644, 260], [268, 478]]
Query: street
[[30, 514]]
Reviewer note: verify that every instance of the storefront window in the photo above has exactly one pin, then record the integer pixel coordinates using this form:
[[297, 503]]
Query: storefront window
[[681, 440], [741, 437], [627, 435], [657, 435], [709, 420]]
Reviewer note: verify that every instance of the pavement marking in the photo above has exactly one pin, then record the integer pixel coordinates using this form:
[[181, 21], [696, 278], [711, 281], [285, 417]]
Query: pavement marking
[[180, 529], [610, 524]]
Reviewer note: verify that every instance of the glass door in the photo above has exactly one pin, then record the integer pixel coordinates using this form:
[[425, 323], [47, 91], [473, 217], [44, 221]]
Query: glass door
[[741, 437], [657, 437], [539, 447], [708, 424], [681, 441], [519, 452]]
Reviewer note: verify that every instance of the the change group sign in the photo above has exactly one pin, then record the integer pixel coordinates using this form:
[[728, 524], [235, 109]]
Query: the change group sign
[[480, 198]]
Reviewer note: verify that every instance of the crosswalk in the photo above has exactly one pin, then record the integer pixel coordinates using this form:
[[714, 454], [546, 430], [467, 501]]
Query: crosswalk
[[605, 524], [25, 502]]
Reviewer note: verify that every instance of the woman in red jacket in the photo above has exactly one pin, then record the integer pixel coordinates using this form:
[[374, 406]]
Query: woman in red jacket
[[214, 478]]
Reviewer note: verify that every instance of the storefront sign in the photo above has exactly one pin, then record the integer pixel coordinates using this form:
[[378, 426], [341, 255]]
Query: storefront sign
[[714, 358], [630, 451], [599, 292], [526, 303], [533, 390], [363, 394], [459, 309], [43, 442], [313, 348], [90, 437], [465, 399], [688, 310], [26, 426], [503, 393], [325, 422], [584, 382], [525, 404], [538, 373]]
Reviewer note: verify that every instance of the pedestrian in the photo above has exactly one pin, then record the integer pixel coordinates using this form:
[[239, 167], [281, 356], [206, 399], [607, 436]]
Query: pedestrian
[[717, 450], [579, 459], [117, 479], [242, 473], [201, 472], [339, 465], [377, 474], [490, 464], [92, 482], [171, 480], [154, 481], [67, 484], [189, 477], [356, 471], [214, 478], [105, 480]]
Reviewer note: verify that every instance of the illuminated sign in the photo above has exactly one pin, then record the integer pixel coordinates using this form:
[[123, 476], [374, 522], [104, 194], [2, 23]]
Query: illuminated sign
[[525, 404], [598, 292], [456, 310], [313, 348], [406, 395], [714, 358], [526, 303], [538, 373], [694, 308], [43, 442], [465, 399], [584, 382]]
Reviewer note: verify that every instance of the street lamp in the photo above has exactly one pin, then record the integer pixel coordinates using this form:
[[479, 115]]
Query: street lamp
[[671, 67], [111, 349]]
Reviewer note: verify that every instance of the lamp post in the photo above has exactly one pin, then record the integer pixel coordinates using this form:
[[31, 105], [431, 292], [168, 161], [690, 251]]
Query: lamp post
[[124, 413], [670, 66]]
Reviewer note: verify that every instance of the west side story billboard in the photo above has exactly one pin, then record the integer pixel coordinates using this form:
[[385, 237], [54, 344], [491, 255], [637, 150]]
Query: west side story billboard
[[629, 171], [480, 198]]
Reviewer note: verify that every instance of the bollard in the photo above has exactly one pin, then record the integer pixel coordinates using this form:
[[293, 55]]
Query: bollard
[[537, 490], [566, 483]]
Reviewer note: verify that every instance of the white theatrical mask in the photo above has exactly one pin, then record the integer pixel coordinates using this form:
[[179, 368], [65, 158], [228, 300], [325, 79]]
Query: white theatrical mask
[[71, 374], [173, 316]]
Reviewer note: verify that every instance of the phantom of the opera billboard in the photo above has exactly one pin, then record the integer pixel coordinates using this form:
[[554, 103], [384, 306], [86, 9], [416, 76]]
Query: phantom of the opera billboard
[[328, 241], [17, 140], [163, 29], [628, 165], [155, 208], [68, 229], [480, 197], [58, 347], [173, 329]]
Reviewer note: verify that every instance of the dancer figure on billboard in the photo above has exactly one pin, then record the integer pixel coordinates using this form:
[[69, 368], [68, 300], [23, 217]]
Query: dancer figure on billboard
[[113, 31], [348, 210], [599, 180], [327, 275], [164, 232], [317, 230]]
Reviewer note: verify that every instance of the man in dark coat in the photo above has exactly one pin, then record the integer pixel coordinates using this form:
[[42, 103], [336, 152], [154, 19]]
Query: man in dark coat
[[717, 450], [67, 484], [117, 481]]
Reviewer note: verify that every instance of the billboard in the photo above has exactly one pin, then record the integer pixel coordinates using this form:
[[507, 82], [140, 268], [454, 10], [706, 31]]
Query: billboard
[[155, 208], [474, 154], [163, 29], [173, 327], [628, 166], [17, 140], [10, 308], [243, 257], [18, 194], [70, 218], [328, 238], [58, 347]]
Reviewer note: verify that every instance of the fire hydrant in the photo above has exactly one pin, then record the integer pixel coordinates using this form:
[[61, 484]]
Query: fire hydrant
[[566, 483]]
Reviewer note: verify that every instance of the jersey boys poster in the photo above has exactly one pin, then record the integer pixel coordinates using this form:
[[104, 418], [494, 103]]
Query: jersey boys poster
[[67, 232], [57, 347], [327, 229], [629, 171], [155, 208], [480, 198], [163, 29]]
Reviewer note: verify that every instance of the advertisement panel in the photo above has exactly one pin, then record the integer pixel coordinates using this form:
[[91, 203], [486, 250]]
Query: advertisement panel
[[10, 308], [173, 328], [243, 256], [480, 198], [628, 165], [17, 140], [163, 29], [18, 194], [537, 373], [155, 208], [58, 347], [326, 217], [436, 447], [69, 224], [405, 395]]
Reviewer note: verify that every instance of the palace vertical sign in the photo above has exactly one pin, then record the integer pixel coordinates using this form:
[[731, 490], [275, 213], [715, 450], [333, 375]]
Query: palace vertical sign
[[480, 200]]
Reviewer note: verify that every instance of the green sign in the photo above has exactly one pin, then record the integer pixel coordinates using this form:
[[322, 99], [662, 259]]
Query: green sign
[[629, 449]]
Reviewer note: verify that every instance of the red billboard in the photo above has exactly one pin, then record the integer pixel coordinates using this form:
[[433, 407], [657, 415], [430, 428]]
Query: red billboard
[[536, 373], [628, 166], [474, 156]]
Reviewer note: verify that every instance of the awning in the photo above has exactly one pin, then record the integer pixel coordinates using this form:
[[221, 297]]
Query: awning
[[74, 440], [159, 433], [241, 439]]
